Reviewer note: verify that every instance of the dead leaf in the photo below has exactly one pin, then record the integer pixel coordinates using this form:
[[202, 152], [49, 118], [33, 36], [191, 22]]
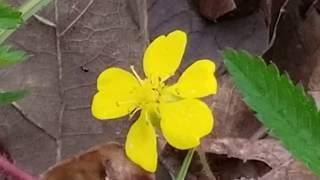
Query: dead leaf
[[226, 9], [90, 36], [105, 162], [213, 9], [269, 151], [290, 170], [295, 48]]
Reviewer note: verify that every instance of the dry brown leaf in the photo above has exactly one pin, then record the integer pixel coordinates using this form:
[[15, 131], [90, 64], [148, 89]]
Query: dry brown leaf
[[233, 117], [269, 151], [61, 73], [105, 162], [295, 44], [213, 9], [290, 170]]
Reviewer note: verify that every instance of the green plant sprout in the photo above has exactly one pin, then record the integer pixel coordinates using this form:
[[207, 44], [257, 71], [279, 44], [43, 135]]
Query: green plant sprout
[[174, 109], [280, 105]]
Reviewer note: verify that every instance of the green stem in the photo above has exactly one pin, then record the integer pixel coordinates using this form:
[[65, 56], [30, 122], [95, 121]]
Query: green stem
[[28, 9], [185, 165]]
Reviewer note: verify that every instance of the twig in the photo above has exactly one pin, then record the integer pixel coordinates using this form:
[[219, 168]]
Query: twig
[[77, 18], [12, 170], [205, 164], [260, 133], [44, 21]]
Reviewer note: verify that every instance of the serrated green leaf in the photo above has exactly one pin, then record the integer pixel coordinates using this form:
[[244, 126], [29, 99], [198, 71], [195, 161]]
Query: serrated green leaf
[[8, 56], [9, 17], [9, 97], [283, 107]]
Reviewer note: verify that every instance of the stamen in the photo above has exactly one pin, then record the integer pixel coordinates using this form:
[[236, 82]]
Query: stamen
[[136, 74], [164, 79], [132, 113]]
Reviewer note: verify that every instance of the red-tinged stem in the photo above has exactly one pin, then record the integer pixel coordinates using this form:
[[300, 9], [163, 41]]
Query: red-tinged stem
[[13, 171]]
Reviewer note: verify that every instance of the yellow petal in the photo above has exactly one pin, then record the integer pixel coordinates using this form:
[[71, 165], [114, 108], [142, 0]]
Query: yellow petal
[[163, 56], [184, 122], [141, 143], [117, 95], [109, 106], [197, 80], [116, 79]]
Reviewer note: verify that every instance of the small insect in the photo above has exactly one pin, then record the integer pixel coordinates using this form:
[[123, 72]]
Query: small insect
[[84, 69]]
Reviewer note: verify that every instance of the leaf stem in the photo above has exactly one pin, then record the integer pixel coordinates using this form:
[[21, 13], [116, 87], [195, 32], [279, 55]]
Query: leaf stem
[[185, 165], [12, 170]]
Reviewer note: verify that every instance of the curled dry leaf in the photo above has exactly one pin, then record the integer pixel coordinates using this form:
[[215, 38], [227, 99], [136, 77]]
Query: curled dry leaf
[[105, 162], [269, 151]]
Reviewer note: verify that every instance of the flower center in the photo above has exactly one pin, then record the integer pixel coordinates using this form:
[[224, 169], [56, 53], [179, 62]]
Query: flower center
[[150, 91], [153, 90]]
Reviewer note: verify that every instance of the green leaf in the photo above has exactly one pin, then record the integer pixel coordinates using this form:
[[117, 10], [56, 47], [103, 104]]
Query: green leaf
[[9, 17], [8, 56], [28, 9], [9, 97], [282, 106]]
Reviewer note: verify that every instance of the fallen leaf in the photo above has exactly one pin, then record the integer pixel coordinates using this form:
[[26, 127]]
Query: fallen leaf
[[290, 170], [269, 151], [88, 36], [104, 162], [295, 47], [213, 9]]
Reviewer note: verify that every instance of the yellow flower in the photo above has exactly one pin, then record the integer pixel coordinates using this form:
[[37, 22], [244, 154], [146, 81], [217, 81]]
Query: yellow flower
[[174, 109]]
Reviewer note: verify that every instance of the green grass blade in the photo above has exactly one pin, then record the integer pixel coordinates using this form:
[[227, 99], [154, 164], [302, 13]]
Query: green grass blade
[[28, 9], [9, 97], [282, 106]]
